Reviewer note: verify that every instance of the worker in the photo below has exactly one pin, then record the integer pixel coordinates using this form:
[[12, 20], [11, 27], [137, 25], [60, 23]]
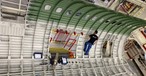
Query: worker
[[52, 59], [144, 29], [60, 60], [93, 38]]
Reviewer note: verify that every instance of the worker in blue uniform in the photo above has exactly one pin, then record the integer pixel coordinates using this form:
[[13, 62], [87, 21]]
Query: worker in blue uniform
[[93, 37]]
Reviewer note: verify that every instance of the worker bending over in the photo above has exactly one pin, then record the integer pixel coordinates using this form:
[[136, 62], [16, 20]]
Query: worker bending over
[[93, 37]]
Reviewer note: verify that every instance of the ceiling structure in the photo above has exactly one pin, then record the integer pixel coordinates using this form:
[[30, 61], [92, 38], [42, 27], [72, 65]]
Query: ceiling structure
[[82, 15], [13, 8]]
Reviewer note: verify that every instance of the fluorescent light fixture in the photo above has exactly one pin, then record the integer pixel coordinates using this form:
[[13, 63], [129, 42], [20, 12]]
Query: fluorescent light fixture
[[64, 61], [38, 55], [59, 10], [47, 7]]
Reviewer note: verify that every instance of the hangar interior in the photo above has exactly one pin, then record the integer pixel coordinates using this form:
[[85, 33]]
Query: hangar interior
[[33, 31]]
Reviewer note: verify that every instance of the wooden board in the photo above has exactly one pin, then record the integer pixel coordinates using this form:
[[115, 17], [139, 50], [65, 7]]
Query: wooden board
[[58, 50]]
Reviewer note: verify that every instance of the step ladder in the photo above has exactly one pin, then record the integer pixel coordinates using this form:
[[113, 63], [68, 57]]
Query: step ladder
[[61, 35], [70, 42]]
